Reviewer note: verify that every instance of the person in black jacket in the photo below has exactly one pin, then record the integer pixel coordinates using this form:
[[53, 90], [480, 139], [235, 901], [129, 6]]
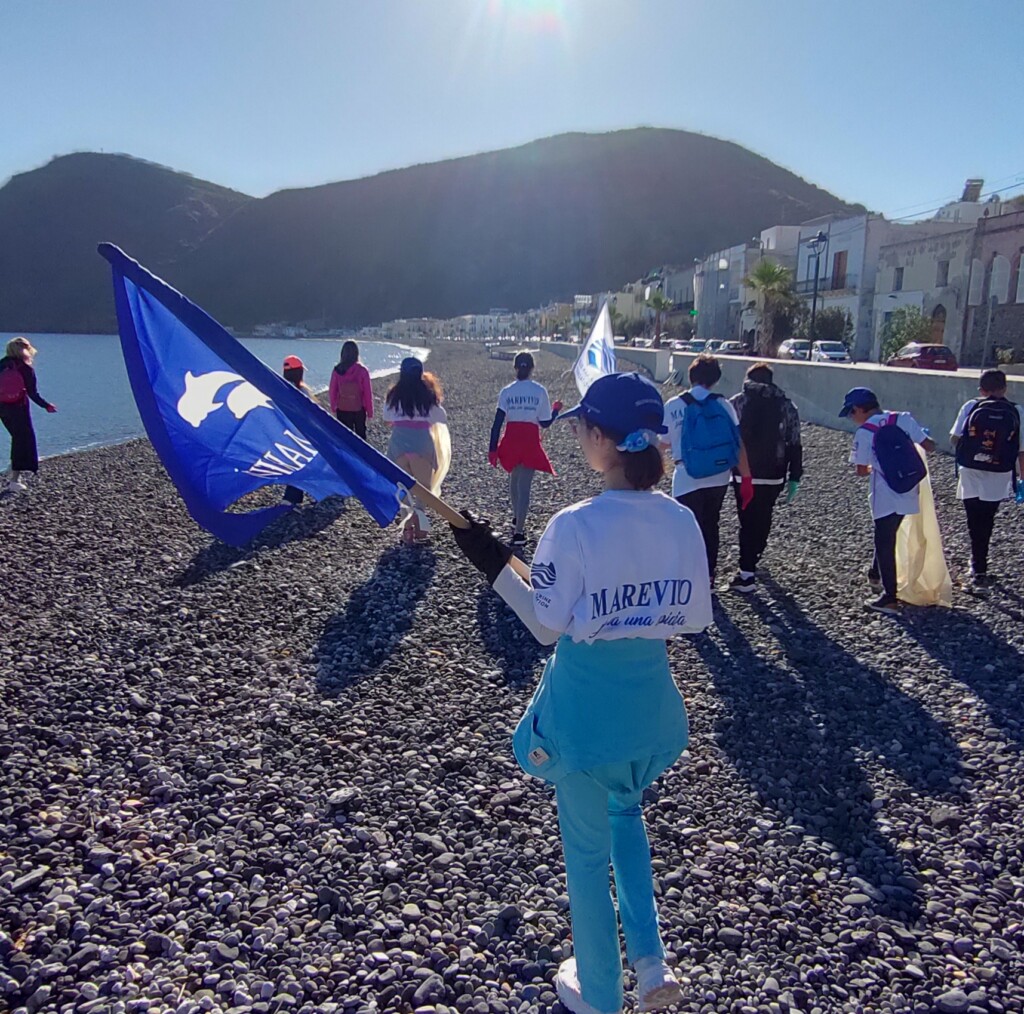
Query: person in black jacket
[[17, 387], [770, 430]]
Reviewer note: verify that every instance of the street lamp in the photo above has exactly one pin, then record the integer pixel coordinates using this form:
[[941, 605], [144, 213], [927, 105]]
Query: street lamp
[[723, 265], [816, 244]]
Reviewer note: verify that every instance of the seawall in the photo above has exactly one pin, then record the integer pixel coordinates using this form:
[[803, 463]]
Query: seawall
[[931, 396]]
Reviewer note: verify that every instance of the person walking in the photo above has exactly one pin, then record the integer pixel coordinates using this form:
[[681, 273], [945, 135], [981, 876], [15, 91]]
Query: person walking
[[770, 433], [350, 394], [986, 436], [613, 577], [706, 447], [883, 449], [524, 410], [294, 371], [413, 410], [17, 388]]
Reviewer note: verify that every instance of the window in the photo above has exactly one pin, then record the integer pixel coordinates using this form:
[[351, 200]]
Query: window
[[942, 273], [897, 280]]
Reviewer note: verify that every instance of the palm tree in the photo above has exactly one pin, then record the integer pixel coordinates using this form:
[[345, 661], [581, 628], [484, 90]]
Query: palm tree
[[659, 303], [773, 289], [618, 319]]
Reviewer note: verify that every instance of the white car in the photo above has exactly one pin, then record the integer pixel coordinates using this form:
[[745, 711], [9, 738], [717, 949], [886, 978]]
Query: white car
[[829, 352], [795, 348]]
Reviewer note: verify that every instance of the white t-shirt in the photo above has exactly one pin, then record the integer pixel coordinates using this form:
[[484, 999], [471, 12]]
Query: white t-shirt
[[525, 401], [627, 563], [436, 414], [682, 481], [884, 499], [974, 482]]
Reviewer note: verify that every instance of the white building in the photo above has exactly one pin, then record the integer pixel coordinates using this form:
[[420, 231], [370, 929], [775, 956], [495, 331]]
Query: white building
[[840, 270]]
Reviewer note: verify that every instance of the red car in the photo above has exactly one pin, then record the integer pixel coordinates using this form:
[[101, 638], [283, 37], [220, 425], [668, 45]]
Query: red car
[[924, 357]]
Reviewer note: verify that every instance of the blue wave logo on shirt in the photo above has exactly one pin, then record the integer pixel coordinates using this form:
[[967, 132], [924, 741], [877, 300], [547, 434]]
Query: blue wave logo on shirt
[[542, 575]]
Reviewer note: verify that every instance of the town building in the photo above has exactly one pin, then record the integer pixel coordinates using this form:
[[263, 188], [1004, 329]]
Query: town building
[[930, 273], [995, 289]]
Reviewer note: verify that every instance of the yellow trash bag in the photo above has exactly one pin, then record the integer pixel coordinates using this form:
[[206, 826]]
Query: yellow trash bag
[[922, 577], [443, 452]]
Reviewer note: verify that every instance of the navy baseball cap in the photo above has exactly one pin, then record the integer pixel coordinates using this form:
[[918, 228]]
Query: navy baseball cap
[[857, 397], [622, 403]]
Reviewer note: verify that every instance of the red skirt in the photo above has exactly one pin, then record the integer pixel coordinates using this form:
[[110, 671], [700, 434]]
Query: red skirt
[[521, 445]]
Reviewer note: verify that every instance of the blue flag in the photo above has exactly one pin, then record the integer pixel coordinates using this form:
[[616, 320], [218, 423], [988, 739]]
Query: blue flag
[[224, 424]]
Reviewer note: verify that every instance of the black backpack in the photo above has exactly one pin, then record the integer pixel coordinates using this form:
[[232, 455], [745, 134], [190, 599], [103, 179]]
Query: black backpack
[[991, 437], [761, 429]]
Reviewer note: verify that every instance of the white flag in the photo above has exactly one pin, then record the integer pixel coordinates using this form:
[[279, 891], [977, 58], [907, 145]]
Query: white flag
[[597, 357]]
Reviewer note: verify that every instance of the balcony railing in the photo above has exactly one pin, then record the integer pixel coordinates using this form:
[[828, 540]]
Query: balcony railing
[[826, 284]]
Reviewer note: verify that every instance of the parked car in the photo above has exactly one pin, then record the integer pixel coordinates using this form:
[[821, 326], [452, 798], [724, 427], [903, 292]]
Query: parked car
[[924, 357], [696, 345], [829, 352], [713, 346], [795, 348], [731, 349]]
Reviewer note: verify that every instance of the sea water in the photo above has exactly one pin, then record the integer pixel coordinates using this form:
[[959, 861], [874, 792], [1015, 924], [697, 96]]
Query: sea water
[[85, 377]]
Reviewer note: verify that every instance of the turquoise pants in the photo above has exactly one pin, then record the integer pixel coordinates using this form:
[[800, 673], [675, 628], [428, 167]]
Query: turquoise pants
[[601, 823]]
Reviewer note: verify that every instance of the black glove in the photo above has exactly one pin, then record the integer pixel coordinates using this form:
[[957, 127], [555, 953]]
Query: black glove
[[482, 547]]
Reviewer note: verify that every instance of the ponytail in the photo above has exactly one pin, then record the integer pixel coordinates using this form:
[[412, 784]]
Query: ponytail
[[643, 469]]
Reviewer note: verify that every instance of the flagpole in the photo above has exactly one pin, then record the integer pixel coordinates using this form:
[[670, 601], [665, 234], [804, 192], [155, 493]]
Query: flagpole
[[454, 518]]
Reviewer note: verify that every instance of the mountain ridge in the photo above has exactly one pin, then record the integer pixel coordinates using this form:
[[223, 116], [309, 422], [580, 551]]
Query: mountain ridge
[[515, 227]]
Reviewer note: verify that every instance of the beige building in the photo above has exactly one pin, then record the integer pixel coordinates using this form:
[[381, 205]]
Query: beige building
[[930, 273]]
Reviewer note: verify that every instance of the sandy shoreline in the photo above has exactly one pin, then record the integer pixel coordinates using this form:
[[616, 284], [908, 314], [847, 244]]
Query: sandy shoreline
[[279, 779]]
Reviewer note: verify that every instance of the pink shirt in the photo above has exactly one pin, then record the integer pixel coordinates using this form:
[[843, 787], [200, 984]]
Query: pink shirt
[[351, 392]]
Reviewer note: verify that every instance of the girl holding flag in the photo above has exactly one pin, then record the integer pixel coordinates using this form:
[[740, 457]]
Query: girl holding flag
[[524, 410], [614, 576]]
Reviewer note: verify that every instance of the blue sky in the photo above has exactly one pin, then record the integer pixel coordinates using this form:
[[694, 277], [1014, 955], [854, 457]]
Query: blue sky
[[892, 103]]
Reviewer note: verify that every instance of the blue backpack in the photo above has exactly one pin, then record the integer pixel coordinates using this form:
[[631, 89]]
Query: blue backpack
[[901, 466], [710, 439]]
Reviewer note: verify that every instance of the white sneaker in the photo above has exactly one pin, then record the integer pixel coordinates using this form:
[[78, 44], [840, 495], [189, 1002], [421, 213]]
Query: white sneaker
[[567, 985], [14, 486], [656, 984]]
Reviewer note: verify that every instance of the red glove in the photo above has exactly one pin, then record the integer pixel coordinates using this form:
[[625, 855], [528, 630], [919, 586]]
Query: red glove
[[51, 408], [556, 407], [492, 457], [746, 491]]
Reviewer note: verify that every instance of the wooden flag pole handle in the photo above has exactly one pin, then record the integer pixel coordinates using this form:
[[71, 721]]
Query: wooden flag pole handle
[[453, 517]]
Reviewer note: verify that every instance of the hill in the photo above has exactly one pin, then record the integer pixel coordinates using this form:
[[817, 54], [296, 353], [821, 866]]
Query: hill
[[51, 219], [514, 228]]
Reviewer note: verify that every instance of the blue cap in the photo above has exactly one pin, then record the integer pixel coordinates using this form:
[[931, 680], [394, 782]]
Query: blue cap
[[411, 367], [857, 397], [622, 404]]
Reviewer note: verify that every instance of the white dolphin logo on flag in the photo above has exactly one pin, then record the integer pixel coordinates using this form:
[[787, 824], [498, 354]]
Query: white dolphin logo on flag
[[198, 401]]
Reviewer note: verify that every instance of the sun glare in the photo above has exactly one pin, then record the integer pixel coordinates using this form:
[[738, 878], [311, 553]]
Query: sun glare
[[544, 16]]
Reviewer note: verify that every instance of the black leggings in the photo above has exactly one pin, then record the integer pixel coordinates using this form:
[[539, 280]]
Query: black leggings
[[981, 516], [755, 523], [355, 421], [884, 565], [17, 420], [706, 505]]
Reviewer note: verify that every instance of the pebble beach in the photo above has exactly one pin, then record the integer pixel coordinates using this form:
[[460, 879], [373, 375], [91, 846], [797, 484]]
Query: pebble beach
[[279, 780]]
